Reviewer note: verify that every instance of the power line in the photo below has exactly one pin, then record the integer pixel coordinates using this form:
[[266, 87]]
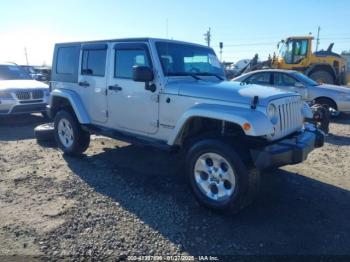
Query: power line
[[251, 44]]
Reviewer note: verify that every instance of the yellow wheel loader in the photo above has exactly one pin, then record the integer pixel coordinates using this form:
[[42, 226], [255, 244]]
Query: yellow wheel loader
[[295, 53]]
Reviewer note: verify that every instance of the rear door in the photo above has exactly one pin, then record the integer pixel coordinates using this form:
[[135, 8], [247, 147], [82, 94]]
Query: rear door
[[92, 80]]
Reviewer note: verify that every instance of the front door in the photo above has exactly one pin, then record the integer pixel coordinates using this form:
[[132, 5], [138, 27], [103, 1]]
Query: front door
[[131, 106], [93, 81]]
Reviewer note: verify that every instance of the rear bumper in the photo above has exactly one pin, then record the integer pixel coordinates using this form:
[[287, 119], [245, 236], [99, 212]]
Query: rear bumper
[[288, 151]]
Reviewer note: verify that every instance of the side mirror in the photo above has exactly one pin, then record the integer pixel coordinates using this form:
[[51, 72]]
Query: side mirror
[[142, 74], [299, 85]]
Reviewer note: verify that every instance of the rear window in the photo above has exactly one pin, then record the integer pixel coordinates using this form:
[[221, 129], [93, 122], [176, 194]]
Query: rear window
[[13, 72], [65, 60], [65, 65]]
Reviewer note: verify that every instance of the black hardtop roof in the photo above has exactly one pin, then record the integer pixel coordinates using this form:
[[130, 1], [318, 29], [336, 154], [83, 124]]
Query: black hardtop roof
[[135, 39]]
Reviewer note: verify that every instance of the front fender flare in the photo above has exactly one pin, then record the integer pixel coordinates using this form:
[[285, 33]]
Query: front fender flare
[[75, 102], [260, 124]]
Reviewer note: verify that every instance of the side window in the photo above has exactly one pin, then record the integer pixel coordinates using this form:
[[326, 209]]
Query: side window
[[65, 60], [93, 62], [126, 59], [259, 79], [284, 80], [300, 51]]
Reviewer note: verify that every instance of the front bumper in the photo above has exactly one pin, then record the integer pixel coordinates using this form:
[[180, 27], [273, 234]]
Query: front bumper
[[10, 106], [289, 151]]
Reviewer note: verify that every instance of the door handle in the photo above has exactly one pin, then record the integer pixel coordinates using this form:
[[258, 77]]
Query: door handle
[[115, 88], [84, 84]]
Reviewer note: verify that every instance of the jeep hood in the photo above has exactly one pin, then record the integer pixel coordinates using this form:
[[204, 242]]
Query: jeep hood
[[226, 91], [21, 84]]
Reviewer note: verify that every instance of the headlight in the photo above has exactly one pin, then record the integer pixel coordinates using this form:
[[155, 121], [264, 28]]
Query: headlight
[[47, 92], [272, 113], [5, 95]]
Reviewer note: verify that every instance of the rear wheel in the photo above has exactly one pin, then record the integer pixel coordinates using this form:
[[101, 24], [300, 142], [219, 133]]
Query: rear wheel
[[323, 77], [219, 178], [69, 135]]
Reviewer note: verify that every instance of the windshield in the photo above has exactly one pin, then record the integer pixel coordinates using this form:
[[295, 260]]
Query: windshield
[[304, 79], [179, 59], [282, 48], [12, 72]]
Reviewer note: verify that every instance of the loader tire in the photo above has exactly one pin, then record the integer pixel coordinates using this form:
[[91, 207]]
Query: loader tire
[[323, 77]]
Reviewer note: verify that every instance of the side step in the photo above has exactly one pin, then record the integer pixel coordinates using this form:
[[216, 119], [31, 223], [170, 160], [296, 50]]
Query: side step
[[136, 140]]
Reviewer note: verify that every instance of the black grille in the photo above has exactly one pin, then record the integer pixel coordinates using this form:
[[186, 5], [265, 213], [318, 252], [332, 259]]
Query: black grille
[[28, 95], [23, 95], [38, 94]]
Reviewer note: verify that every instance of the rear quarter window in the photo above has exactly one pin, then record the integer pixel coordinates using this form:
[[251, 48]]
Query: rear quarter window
[[66, 63]]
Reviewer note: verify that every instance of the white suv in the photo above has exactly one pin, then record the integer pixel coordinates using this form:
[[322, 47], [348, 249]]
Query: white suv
[[19, 93], [174, 96]]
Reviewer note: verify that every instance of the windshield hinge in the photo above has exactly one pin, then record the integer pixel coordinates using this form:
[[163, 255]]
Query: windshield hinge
[[254, 102]]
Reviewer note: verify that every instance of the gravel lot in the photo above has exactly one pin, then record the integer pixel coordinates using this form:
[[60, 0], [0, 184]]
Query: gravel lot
[[121, 200]]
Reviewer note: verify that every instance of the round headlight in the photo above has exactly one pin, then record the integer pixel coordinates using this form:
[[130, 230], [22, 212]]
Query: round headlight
[[272, 113]]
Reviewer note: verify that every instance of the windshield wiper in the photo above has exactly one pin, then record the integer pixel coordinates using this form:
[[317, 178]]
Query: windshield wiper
[[210, 74], [184, 74]]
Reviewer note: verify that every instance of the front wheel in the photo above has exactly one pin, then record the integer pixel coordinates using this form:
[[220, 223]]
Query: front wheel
[[70, 137], [219, 178]]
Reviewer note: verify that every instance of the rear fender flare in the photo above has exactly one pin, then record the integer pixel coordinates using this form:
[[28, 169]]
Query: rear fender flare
[[75, 101]]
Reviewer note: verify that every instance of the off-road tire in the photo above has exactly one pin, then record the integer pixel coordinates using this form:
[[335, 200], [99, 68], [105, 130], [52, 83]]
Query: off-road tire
[[81, 139], [247, 178], [45, 132], [322, 77]]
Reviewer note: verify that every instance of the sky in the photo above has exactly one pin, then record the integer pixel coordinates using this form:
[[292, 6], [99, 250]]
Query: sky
[[245, 27]]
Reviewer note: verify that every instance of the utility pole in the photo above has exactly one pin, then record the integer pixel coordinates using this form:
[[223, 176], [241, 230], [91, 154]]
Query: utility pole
[[207, 36], [318, 38], [25, 53]]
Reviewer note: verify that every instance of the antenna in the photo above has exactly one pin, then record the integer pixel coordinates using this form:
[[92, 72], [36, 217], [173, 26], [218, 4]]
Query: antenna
[[318, 38], [221, 44], [167, 28], [25, 53]]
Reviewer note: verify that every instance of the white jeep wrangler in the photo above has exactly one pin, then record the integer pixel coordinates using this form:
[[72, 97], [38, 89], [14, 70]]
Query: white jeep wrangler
[[173, 95]]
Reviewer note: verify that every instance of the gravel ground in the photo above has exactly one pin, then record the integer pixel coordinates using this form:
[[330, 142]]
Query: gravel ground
[[119, 200]]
